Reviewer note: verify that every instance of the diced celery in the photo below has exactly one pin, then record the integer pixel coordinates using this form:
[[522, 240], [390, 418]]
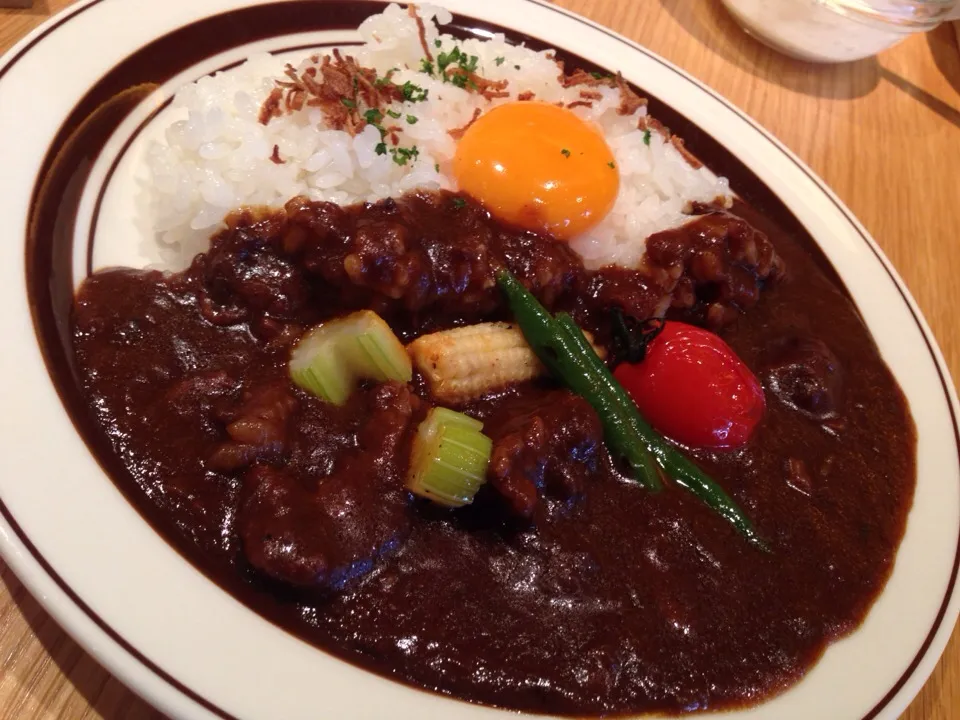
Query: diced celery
[[449, 459], [331, 358], [375, 350], [315, 365]]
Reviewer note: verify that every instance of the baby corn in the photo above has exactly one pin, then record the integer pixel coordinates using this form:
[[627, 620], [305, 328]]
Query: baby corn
[[465, 363]]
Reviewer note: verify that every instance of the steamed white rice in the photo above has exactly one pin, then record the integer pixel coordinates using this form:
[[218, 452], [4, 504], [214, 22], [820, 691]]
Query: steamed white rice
[[216, 157]]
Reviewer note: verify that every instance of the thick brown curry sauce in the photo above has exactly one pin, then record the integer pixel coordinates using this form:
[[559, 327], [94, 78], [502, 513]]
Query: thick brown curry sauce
[[614, 600]]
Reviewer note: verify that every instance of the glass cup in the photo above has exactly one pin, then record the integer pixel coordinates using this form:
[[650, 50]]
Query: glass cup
[[838, 30]]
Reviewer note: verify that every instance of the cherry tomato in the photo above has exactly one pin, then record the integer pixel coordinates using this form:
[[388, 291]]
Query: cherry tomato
[[694, 389]]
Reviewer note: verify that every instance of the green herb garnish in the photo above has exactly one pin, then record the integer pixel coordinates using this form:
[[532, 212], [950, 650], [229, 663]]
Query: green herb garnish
[[381, 148], [347, 102], [393, 113], [413, 93], [412, 119], [565, 152], [611, 166], [426, 67], [459, 202], [499, 61], [460, 66], [646, 136], [373, 116], [436, 167], [448, 58], [402, 155]]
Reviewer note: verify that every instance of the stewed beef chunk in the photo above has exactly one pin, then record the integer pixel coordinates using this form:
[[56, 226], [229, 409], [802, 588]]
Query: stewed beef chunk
[[425, 252], [310, 531], [805, 375], [719, 263], [258, 430], [551, 447], [243, 275]]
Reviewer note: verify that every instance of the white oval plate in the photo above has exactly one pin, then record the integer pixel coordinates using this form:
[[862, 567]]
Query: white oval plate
[[191, 649]]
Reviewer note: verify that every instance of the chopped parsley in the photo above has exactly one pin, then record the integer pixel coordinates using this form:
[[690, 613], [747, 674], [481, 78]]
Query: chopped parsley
[[611, 165], [347, 102], [516, 67], [565, 152], [413, 93], [412, 119], [456, 66], [381, 148], [500, 60], [646, 136], [402, 155], [393, 113], [600, 76], [448, 58], [459, 202], [436, 167], [373, 116], [426, 67], [437, 43]]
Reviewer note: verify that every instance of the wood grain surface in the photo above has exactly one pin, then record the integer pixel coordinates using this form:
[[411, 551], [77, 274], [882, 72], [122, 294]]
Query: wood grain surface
[[885, 135]]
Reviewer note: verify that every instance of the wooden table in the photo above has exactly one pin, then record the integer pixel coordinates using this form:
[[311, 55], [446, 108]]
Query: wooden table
[[885, 135]]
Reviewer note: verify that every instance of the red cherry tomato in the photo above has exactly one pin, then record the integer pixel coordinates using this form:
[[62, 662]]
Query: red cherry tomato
[[694, 389]]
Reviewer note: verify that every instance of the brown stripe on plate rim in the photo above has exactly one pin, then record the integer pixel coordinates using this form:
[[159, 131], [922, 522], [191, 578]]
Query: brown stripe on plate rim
[[40, 305]]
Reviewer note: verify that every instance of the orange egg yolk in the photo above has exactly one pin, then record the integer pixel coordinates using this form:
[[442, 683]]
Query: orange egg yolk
[[538, 166]]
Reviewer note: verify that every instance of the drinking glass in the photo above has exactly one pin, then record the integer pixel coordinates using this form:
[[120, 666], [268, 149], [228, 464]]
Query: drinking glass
[[838, 30]]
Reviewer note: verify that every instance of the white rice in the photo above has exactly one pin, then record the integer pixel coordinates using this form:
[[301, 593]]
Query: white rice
[[217, 156]]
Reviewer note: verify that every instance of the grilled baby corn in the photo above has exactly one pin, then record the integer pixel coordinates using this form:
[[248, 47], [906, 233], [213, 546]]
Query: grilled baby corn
[[465, 363]]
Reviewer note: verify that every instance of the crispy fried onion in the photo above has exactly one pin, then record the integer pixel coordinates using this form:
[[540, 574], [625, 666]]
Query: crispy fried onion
[[651, 124], [338, 86], [630, 102], [458, 133], [414, 12]]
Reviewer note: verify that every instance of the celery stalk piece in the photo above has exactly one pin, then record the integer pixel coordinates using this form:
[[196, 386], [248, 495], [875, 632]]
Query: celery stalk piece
[[375, 350], [449, 458], [331, 358], [316, 366]]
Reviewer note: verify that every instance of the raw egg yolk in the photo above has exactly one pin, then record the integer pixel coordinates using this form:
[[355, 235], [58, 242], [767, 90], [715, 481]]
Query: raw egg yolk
[[538, 166]]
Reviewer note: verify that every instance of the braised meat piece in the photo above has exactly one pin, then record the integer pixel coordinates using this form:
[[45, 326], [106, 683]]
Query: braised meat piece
[[804, 374], [244, 277], [429, 260], [719, 263], [552, 447], [309, 531], [258, 431], [435, 253]]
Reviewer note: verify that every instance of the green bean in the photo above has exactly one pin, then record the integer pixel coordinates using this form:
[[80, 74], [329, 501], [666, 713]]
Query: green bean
[[561, 346], [684, 472], [560, 352]]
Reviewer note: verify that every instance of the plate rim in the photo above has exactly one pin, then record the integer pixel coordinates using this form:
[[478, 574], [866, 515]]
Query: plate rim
[[25, 566]]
